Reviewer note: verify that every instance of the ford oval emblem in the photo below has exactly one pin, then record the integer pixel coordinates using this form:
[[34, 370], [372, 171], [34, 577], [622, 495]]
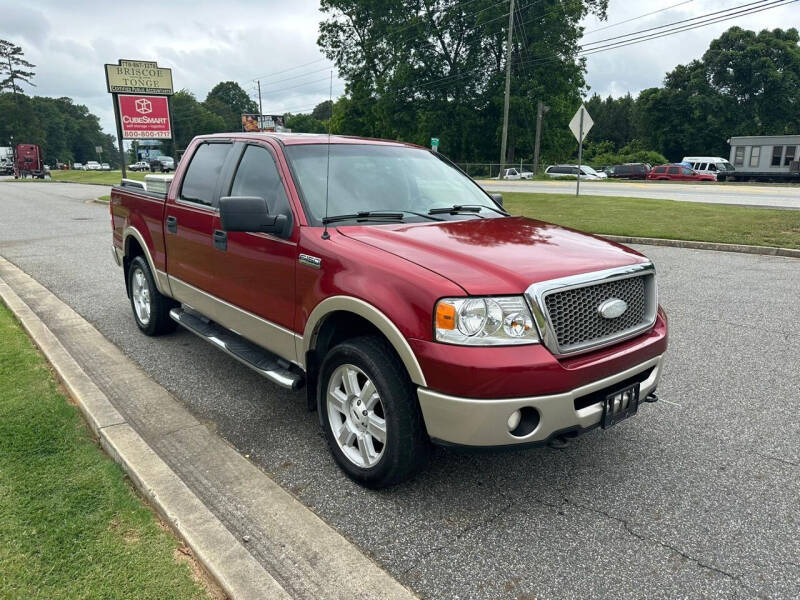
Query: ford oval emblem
[[612, 308]]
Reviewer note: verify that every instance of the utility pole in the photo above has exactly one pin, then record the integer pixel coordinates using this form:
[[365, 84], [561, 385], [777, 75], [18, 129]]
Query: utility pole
[[504, 140], [540, 110], [260, 107]]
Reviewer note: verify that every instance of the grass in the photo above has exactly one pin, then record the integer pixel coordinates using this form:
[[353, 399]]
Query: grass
[[95, 177], [70, 525], [669, 219], [106, 198]]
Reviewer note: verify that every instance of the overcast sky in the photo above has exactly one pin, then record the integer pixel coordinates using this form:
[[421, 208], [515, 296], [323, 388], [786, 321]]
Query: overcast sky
[[241, 40]]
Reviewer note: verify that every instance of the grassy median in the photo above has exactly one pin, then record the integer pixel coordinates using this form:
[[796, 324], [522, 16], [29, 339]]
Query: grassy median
[[669, 219], [100, 177], [70, 525]]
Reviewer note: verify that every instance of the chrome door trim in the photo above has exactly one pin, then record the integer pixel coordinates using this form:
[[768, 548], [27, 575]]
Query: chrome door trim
[[537, 292], [269, 335]]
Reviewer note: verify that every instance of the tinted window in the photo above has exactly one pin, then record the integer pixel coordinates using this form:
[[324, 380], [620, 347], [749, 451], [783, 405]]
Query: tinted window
[[201, 176], [673, 170], [777, 151], [712, 167], [257, 175], [659, 169], [573, 170], [787, 160]]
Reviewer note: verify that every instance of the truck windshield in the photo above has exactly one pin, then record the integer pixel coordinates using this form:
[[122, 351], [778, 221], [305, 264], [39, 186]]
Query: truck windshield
[[367, 177]]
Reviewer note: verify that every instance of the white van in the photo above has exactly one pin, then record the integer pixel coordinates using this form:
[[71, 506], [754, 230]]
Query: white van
[[709, 165]]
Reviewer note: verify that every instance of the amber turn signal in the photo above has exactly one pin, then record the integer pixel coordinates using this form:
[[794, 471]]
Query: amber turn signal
[[445, 316]]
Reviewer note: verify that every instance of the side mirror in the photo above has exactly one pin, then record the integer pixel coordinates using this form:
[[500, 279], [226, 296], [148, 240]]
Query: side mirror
[[498, 198], [250, 213]]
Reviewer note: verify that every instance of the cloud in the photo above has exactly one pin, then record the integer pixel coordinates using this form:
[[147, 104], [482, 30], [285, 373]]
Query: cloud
[[241, 40]]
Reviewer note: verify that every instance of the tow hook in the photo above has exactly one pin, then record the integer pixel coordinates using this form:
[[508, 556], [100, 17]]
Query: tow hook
[[651, 397], [559, 443]]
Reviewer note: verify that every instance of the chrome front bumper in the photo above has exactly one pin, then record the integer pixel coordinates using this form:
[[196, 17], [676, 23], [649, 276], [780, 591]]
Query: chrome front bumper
[[482, 422]]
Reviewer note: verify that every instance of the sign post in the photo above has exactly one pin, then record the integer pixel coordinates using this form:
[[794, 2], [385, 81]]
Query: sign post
[[580, 125], [435, 144], [145, 85]]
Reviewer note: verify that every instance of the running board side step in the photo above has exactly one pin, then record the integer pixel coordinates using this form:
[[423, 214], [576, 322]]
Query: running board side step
[[260, 360]]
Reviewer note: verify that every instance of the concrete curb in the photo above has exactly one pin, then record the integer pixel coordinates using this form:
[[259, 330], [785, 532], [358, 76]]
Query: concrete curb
[[220, 553], [306, 557], [720, 247]]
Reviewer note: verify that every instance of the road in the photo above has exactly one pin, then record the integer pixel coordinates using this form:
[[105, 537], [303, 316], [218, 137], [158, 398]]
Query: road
[[698, 496], [776, 196]]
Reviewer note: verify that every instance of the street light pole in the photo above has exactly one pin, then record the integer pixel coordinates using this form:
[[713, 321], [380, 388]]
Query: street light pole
[[504, 139]]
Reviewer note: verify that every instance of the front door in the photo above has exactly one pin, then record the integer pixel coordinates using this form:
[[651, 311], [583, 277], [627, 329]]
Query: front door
[[259, 267]]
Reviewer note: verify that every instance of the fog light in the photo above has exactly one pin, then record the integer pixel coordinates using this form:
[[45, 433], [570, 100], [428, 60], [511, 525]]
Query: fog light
[[514, 419]]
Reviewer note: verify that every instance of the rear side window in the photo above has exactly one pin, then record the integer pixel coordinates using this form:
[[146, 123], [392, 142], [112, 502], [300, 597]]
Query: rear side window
[[573, 170], [257, 175], [200, 181], [673, 170], [659, 170]]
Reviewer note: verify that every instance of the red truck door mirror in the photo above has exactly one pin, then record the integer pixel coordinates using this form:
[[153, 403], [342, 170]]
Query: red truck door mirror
[[250, 213], [498, 198]]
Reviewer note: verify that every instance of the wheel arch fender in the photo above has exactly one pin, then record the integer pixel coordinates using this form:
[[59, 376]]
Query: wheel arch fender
[[132, 233], [365, 310]]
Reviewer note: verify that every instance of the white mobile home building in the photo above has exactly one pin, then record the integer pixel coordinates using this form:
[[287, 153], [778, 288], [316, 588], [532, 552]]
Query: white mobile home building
[[765, 157]]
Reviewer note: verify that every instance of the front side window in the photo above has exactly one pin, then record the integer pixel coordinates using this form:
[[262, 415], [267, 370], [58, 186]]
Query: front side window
[[372, 177], [712, 167], [673, 170], [777, 152], [257, 175], [787, 160], [738, 157], [200, 182], [659, 170], [685, 171], [755, 156]]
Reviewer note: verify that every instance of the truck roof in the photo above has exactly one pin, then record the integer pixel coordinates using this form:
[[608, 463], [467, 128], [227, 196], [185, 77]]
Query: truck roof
[[294, 139]]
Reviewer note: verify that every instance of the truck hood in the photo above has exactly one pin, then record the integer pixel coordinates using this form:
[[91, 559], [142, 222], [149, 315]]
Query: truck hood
[[496, 256]]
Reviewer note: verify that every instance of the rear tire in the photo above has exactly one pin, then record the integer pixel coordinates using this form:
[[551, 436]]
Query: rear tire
[[370, 414], [150, 307]]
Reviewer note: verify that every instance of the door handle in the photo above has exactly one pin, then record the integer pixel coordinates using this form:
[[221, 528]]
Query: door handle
[[220, 239], [172, 224]]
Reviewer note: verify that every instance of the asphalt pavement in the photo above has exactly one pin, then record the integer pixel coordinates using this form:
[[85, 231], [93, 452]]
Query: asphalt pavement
[[697, 496], [775, 196]]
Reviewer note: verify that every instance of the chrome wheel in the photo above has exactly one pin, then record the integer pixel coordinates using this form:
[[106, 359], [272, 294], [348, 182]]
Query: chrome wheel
[[356, 416], [140, 293]]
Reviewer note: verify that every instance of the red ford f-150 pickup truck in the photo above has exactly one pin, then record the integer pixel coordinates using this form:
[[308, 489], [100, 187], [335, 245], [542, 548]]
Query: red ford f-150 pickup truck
[[412, 307]]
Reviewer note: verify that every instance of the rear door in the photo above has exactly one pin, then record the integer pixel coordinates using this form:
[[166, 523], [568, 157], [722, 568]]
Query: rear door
[[674, 172], [189, 223]]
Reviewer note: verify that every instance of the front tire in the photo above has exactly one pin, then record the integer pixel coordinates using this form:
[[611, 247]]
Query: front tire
[[150, 307], [370, 414]]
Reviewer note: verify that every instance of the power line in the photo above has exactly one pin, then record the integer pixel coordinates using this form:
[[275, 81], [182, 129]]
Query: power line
[[655, 12]]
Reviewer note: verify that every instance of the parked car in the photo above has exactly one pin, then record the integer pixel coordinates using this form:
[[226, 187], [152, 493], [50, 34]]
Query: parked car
[[709, 165], [162, 164], [515, 174], [105, 166], [92, 165], [678, 173], [629, 171], [77, 166], [6, 167], [586, 172], [410, 317], [141, 165]]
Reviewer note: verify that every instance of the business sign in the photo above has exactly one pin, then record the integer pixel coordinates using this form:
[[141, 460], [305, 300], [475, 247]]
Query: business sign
[[138, 77], [144, 117], [262, 123]]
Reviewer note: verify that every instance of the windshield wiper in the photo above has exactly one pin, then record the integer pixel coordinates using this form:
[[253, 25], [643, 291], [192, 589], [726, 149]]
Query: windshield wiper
[[464, 208], [375, 215]]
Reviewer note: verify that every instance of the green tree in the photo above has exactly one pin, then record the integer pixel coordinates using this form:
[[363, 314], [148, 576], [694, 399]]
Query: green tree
[[190, 118], [228, 100], [436, 68], [14, 68]]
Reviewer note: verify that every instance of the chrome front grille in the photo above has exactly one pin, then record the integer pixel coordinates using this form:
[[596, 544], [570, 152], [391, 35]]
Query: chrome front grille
[[567, 311]]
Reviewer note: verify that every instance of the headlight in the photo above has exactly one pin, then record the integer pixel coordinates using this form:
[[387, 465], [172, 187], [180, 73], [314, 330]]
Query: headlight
[[493, 321]]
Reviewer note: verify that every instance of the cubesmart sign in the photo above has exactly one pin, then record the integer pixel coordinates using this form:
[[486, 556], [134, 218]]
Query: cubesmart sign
[[144, 117]]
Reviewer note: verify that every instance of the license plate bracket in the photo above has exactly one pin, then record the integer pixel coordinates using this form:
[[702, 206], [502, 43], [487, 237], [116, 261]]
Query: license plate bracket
[[619, 405]]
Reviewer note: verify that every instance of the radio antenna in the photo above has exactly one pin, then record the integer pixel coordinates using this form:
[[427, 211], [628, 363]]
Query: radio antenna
[[325, 234]]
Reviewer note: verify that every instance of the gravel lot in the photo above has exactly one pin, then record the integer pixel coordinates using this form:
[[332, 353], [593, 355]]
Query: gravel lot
[[698, 496]]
